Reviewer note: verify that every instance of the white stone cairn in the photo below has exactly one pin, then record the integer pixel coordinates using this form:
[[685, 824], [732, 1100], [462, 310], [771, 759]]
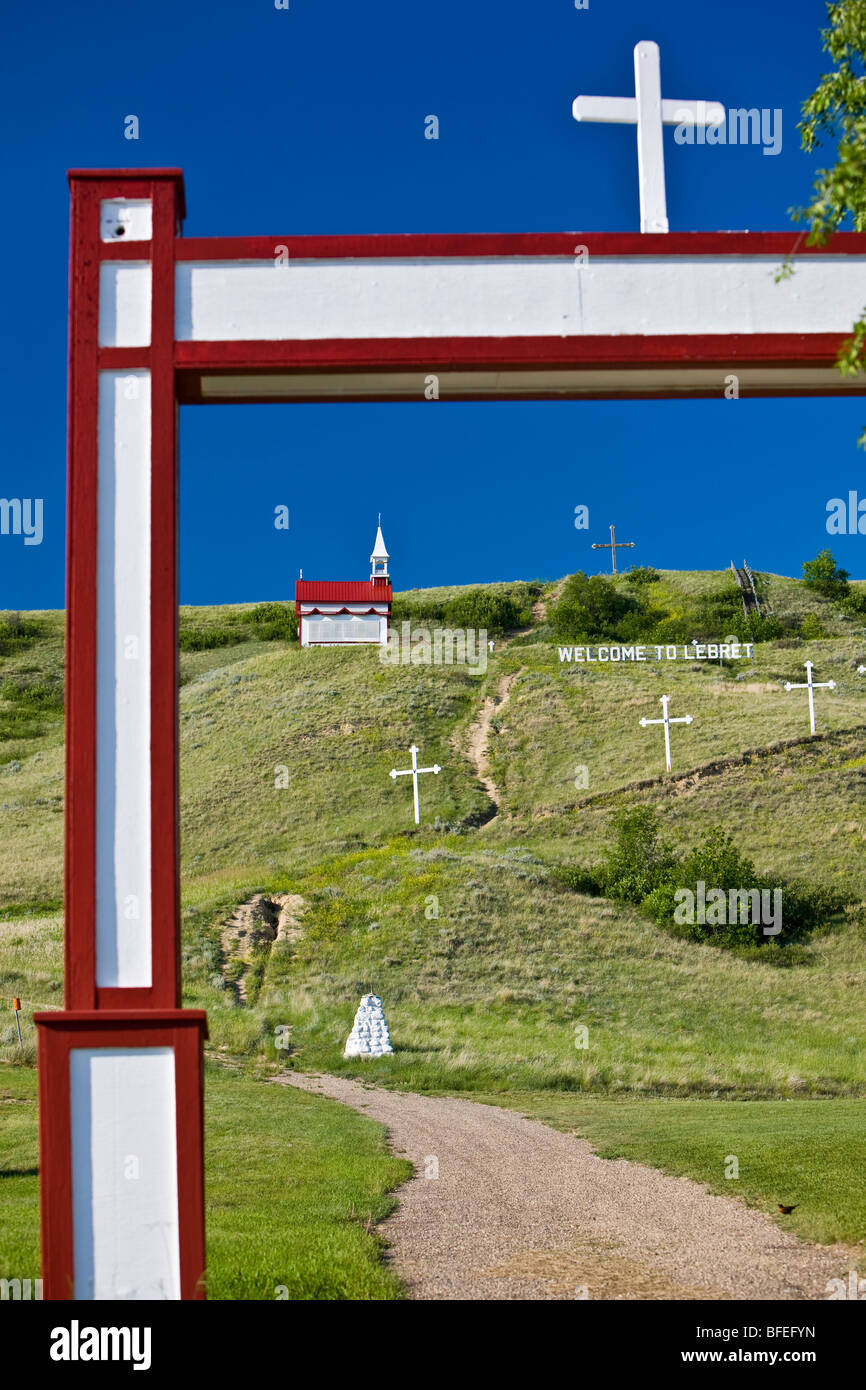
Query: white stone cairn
[[811, 686], [369, 1036], [667, 721]]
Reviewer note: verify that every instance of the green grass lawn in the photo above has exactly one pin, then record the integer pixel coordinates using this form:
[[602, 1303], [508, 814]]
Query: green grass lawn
[[19, 1183], [291, 1183]]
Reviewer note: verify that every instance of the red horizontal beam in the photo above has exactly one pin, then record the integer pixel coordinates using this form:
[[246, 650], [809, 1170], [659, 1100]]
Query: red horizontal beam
[[463, 244], [149, 1018], [626, 350]]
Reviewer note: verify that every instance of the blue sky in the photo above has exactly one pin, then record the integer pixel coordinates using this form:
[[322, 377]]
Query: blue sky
[[311, 120]]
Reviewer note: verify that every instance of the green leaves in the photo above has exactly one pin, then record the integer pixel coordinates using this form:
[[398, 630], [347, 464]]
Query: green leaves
[[836, 111], [823, 575]]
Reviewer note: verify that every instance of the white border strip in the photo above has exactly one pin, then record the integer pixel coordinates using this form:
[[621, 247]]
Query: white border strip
[[126, 1239], [123, 830], [124, 303]]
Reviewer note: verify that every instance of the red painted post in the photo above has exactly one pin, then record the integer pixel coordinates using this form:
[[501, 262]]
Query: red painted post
[[123, 1015]]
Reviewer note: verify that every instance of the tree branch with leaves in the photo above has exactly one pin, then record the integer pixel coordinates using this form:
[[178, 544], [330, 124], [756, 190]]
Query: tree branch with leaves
[[836, 111]]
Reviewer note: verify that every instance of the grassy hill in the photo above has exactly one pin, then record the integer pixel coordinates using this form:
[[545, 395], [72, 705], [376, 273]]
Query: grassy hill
[[487, 961], [285, 755]]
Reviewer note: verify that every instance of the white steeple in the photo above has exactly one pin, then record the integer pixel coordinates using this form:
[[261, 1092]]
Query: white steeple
[[379, 558]]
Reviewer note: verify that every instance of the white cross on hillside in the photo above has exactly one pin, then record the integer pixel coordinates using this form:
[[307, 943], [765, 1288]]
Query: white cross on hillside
[[649, 113], [667, 721], [414, 772], [811, 686]]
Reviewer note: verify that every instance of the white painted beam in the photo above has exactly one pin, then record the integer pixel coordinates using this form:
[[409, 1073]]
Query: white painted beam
[[228, 301]]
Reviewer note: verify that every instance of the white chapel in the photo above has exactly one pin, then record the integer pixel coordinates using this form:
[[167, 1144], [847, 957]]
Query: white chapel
[[347, 612]]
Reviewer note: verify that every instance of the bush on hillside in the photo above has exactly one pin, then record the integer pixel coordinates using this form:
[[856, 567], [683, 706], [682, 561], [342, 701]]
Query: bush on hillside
[[15, 724], [757, 627], [717, 864], [811, 628], [592, 607], [483, 608], [854, 602], [642, 574], [272, 622], [639, 861], [823, 576], [16, 632], [718, 609], [36, 695], [427, 612], [640, 868], [205, 638], [267, 622], [673, 628]]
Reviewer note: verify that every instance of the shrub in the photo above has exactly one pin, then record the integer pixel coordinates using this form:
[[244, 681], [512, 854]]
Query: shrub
[[425, 611], [824, 577], [641, 869], [719, 609], [273, 622], [812, 628], [720, 614], [203, 639], [640, 625], [17, 724], [854, 602], [718, 864], [639, 861], [16, 632], [39, 695], [672, 629], [591, 607], [756, 627], [481, 608], [577, 880], [643, 574]]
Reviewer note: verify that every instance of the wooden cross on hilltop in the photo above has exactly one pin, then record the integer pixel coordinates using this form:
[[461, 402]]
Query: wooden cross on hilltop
[[613, 545]]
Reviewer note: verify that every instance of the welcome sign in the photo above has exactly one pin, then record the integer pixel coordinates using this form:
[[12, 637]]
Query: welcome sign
[[694, 651]]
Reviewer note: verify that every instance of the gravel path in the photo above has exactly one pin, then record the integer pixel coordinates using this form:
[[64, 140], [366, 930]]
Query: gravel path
[[521, 1211]]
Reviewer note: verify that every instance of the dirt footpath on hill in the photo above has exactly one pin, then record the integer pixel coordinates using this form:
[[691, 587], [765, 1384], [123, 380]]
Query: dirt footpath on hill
[[521, 1211]]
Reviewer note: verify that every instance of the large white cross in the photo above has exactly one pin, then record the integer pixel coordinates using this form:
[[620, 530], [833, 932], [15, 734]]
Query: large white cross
[[414, 772], [667, 721], [811, 686], [649, 113]]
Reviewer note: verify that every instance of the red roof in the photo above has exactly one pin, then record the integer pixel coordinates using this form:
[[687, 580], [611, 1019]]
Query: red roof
[[341, 591]]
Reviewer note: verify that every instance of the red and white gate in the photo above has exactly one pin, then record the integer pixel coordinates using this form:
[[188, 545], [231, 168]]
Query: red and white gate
[[157, 320]]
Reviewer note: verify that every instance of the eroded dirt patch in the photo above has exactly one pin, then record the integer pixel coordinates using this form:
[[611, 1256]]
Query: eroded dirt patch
[[251, 931]]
